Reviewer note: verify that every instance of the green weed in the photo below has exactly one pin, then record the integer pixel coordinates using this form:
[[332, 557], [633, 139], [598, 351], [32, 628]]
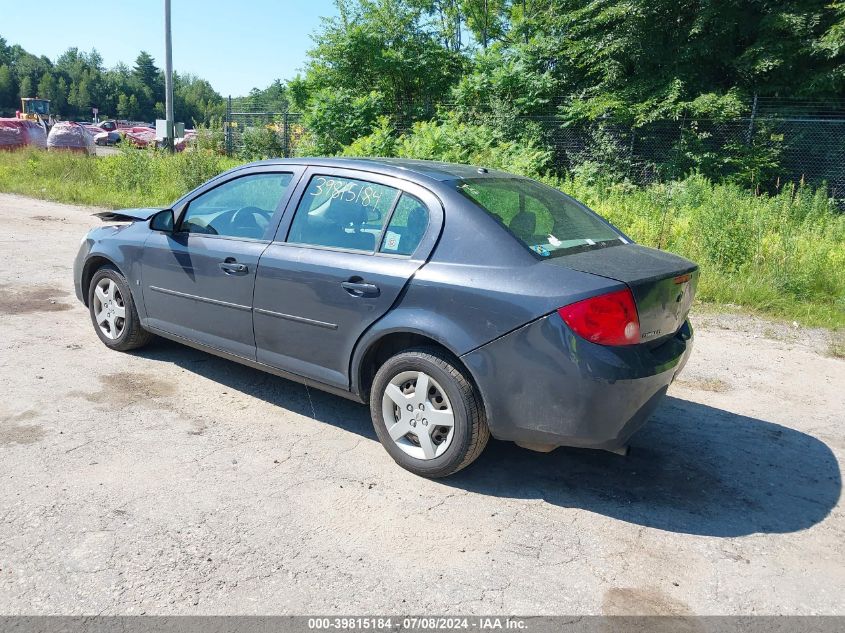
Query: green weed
[[782, 255]]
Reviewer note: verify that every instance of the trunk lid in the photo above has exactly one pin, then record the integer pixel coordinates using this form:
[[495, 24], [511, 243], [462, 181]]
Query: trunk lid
[[663, 284]]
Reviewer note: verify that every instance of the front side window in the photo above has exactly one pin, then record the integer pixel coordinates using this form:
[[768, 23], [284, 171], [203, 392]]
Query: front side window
[[241, 207], [342, 213], [543, 219], [407, 227]]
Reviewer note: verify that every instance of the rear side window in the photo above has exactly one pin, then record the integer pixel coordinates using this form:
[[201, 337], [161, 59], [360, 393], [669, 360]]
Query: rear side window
[[545, 220], [406, 228], [342, 213]]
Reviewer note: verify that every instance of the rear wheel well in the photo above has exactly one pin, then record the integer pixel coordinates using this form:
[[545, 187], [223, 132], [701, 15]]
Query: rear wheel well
[[91, 266], [392, 344]]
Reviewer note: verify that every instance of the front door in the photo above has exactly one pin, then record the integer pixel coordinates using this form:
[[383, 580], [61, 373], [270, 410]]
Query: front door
[[336, 266], [198, 281]]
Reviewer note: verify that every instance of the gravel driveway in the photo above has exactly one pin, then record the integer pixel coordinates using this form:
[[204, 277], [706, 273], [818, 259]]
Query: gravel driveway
[[170, 481]]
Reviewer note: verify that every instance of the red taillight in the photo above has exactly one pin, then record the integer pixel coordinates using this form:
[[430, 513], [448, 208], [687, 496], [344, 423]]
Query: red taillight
[[609, 319]]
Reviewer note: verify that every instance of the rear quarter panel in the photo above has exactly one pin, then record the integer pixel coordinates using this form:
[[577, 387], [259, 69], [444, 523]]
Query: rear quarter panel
[[464, 307], [478, 285]]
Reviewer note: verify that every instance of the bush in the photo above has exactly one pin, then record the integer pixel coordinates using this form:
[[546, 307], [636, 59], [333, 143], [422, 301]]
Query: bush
[[606, 156], [130, 178], [780, 254], [335, 118], [192, 168], [751, 165], [381, 142], [211, 136], [453, 141], [260, 143]]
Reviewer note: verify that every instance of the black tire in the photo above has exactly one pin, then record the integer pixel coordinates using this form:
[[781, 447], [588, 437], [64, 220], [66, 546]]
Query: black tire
[[133, 335], [470, 423]]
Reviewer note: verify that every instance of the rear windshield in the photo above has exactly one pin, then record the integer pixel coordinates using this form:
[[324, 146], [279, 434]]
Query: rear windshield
[[545, 220]]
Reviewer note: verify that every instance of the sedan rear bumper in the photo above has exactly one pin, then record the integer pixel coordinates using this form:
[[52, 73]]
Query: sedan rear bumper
[[544, 385]]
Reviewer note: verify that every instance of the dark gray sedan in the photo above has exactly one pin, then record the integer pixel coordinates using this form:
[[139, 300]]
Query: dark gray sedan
[[457, 301]]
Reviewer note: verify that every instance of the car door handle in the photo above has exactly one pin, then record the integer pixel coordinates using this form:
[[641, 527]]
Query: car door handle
[[360, 289], [231, 267]]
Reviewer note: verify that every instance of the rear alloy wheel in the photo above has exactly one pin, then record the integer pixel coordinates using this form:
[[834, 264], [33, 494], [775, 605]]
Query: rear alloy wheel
[[427, 414], [418, 415], [113, 311]]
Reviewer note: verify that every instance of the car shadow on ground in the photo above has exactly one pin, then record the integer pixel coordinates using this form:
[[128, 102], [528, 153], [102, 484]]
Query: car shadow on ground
[[693, 469]]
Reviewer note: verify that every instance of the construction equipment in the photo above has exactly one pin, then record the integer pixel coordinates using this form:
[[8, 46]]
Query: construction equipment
[[35, 109]]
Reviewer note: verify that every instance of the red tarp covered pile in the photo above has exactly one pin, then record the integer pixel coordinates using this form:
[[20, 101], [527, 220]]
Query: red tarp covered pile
[[18, 133], [139, 136], [70, 136]]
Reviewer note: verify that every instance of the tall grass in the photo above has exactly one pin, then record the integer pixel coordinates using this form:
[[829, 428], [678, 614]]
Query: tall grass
[[781, 255], [129, 178]]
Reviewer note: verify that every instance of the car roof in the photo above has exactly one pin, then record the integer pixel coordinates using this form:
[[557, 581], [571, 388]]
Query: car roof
[[433, 170]]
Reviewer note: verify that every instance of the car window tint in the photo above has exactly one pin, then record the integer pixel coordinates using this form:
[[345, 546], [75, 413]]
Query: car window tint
[[239, 208], [342, 213], [406, 228], [543, 219]]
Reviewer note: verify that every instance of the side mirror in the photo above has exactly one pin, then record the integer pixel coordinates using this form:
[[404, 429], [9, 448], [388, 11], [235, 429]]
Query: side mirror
[[162, 221]]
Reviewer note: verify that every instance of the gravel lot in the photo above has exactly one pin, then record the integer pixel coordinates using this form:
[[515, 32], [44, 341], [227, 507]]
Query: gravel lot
[[170, 481]]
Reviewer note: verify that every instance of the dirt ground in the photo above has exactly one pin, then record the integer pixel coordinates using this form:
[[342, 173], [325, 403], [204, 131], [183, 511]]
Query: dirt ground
[[171, 482]]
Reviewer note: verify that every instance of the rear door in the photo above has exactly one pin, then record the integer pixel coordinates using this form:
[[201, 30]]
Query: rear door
[[337, 264], [198, 280]]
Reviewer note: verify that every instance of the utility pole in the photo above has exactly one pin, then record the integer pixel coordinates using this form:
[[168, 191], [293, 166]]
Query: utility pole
[[168, 75]]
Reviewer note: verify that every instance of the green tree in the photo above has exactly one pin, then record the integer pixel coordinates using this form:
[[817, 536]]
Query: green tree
[[150, 78], [273, 98], [383, 46], [25, 88], [145, 69], [71, 99], [506, 80], [446, 17], [78, 81], [194, 100], [60, 98], [133, 110], [5, 53], [337, 117], [486, 19], [47, 87], [82, 95], [639, 60], [7, 87], [123, 106]]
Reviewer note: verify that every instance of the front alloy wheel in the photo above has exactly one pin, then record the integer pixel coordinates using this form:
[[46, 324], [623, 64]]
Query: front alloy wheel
[[113, 311], [109, 308]]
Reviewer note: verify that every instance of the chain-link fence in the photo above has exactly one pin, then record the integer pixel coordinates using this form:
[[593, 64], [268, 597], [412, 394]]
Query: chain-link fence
[[771, 146], [764, 151], [251, 129]]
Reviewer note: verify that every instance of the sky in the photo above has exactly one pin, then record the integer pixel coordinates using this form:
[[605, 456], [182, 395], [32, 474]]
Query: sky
[[234, 45]]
